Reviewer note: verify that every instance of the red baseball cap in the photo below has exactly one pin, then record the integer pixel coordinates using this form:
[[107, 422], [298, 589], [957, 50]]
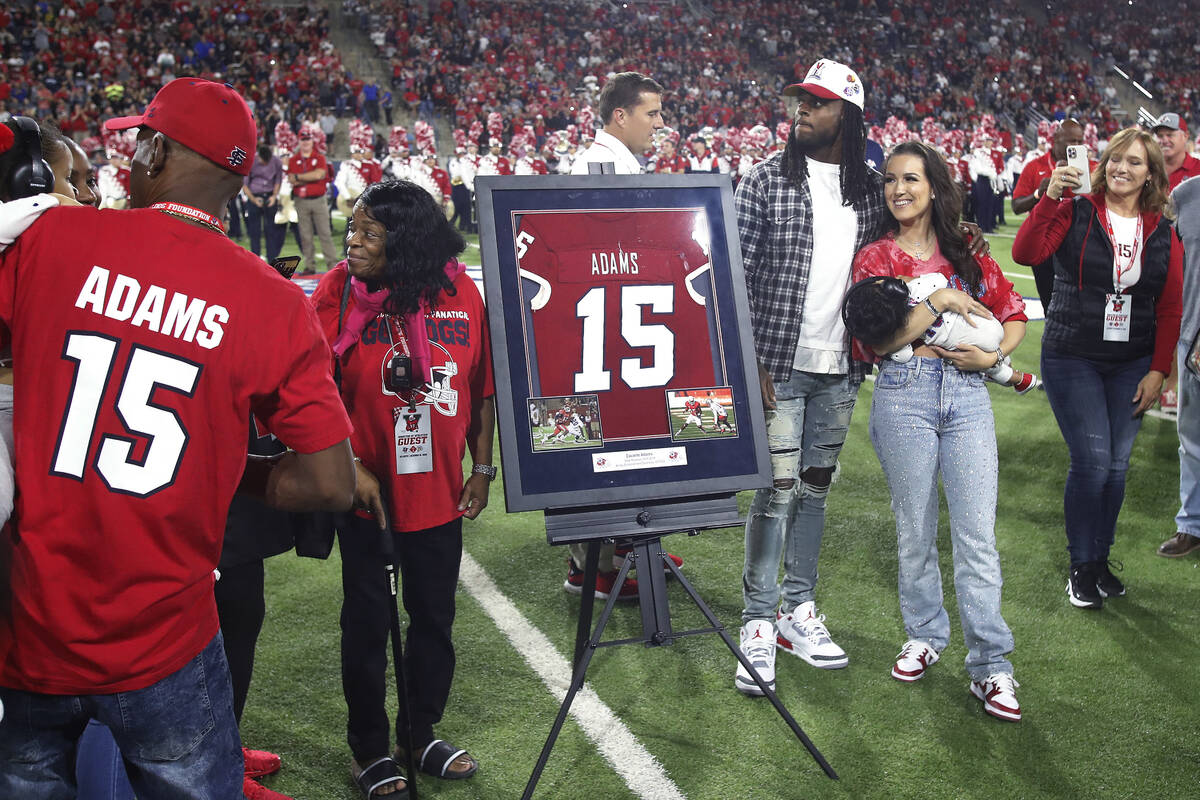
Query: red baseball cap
[[208, 117]]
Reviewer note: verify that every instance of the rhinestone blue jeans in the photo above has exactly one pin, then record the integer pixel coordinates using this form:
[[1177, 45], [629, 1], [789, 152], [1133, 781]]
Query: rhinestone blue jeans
[[928, 418], [806, 430]]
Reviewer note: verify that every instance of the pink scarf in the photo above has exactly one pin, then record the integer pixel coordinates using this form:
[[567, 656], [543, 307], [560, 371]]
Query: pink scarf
[[369, 305]]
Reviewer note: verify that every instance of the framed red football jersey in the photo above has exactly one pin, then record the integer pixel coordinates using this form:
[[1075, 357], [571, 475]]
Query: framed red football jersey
[[618, 294], [637, 289]]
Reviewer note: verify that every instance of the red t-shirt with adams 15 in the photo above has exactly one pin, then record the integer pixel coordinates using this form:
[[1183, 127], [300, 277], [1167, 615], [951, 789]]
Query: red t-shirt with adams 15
[[142, 344]]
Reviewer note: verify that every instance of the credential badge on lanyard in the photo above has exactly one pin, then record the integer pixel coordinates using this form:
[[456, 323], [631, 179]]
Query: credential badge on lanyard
[[412, 431]]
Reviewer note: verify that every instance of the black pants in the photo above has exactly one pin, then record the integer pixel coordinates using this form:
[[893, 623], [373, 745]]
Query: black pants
[[461, 196], [240, 609], [260, 226], [428, 562], [985, 204]]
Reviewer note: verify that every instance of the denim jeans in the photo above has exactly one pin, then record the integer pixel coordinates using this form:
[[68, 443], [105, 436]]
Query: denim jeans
[[177, 736], [929, 418], [98, 766], [1188, 518], [806, 430], [1092, 402]]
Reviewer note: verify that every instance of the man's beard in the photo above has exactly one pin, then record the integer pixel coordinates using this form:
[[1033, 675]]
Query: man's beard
[[812, 141]]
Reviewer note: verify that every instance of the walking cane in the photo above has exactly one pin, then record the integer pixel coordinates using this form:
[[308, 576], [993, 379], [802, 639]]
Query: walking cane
[[388, 550]]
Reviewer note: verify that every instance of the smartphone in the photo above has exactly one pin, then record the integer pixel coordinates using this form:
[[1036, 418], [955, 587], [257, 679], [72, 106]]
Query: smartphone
[[286, 266], [1077, 157]]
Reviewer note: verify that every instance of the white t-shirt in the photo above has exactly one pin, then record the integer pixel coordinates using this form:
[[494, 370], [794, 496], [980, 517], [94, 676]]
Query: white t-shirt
[[822, 344], [1126, 248]]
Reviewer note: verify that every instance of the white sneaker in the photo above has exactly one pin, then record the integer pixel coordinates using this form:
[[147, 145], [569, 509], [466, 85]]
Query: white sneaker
[[915, 657], [802, 633], [998, 694], [758, 645]]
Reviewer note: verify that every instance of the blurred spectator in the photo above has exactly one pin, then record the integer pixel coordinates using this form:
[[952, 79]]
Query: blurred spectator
[[309, 175], [1171, 131]]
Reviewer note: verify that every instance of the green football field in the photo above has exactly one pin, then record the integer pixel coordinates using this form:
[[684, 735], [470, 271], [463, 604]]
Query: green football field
[[1108, 697]]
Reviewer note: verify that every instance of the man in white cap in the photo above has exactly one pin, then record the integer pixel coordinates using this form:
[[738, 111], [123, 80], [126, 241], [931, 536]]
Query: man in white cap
[[139, 359], [802, 215]]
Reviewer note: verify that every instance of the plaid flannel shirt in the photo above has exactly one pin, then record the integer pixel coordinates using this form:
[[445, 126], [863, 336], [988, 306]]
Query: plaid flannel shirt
[[775, 227]]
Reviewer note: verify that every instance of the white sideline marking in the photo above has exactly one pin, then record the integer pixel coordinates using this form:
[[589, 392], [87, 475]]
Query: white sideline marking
[[640, 770]]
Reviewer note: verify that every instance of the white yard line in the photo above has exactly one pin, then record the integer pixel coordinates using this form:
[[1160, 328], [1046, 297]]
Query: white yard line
[[640, 770]]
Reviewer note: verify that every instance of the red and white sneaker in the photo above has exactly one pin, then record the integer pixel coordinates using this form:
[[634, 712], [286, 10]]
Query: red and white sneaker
[[758, 645], [998, 694], [1026, 382], [253, 790], [604, 583], [260, 762], [622, 550], [803, 634], [915, 657]]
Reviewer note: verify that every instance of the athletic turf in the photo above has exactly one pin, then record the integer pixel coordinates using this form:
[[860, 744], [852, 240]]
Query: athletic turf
[[1108, 699]]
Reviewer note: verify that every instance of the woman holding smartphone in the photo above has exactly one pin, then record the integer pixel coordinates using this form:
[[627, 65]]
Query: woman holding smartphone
[[1110, 333]]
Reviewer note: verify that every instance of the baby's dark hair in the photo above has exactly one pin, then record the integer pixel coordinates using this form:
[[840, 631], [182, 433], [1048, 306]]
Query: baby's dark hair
[[875, 308]]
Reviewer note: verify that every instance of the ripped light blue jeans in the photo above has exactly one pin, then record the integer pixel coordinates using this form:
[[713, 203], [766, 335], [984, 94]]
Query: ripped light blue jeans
[[805, 434], [928, 418]]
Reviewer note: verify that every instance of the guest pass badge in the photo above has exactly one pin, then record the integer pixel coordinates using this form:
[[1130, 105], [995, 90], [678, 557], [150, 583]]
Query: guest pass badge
[[414, 439], [1116, 318]]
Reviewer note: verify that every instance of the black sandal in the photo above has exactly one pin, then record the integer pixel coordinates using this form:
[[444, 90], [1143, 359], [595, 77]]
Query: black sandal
[[437, 757], [377, 774]]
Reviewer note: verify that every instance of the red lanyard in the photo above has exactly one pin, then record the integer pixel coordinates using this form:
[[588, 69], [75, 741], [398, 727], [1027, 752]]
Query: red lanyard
[[188, 212], [398, 336], [1133, 254]]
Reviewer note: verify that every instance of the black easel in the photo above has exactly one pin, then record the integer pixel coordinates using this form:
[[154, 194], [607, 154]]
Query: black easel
[[650, 521]]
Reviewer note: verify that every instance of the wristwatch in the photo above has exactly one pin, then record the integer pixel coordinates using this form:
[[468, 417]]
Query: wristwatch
[[484, 469]]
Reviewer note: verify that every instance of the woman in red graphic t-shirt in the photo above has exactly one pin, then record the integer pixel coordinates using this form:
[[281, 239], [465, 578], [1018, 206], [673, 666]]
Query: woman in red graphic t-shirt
[[409, 336]]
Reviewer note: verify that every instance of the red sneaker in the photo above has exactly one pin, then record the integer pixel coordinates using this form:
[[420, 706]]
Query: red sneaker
[[260, 762], [622, 550], [256, 791], [604, 583]]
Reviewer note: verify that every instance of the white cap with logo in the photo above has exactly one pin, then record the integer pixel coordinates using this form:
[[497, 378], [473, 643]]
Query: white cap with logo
[[830, 80]]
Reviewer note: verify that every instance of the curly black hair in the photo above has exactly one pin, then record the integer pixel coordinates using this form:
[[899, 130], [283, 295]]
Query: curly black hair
[[420, 240], [875, 308]]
